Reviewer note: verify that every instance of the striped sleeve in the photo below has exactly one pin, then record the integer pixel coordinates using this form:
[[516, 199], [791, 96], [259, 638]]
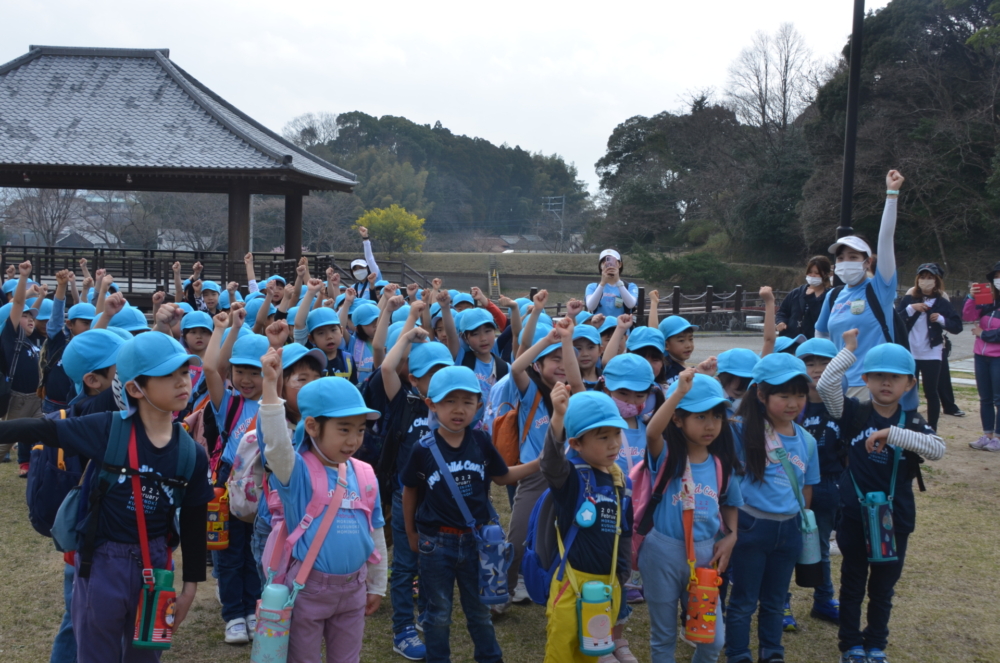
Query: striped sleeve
[[830, 386], [928, 445]]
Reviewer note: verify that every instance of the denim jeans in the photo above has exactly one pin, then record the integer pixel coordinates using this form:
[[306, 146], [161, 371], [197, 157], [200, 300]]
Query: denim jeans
[[857, 575], [64, 646], [261, 530], [404, 571], [826, 506], [988, 384], [239, 580], [762, 565], [447, 559]]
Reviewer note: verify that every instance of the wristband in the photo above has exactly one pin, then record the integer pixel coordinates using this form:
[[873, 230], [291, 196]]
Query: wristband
[[891, 192]]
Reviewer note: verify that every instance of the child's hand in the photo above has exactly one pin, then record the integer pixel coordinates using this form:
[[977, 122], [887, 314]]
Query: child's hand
[[24, 269], [876, 441], [62, 277], [197, 267], [936, 318], [114, 303], [248, 259], [349, 295], [411, 290], [176, 267], [766, 294], [232, 287], [99, 274], [723, 551], [851, 339], [158, 297], [507, 302], [32, 291], [11, 271], [71, 277], [624, 321], [894, 180], [574, 307], [363, 232], [560, 399], [332, 277], [277, 333], [708, 367], [372, 604], [314, 286], [390, 290], [541, 297], [396, 302], [654, 297], [234, 306], [372, 278], [685, 380], [417, 335], [479, 297], [414, 540], [554, 336], [87, 284], [42, 290], [270, 365], [83, 263], [417, 309], [221, 320], [197, 288], [437, 283], [238, 316], [598, 319], [301, 271], [166, 315], [444, 299], [977, 331]]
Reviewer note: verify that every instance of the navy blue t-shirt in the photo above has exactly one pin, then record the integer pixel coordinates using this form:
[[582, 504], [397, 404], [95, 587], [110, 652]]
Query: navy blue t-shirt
[[873, 472], [393, 412], [102, 402], [20, 354], [593, 548], [672, 372], [58, 387], [88, 437], [472, 464], [821, 426]]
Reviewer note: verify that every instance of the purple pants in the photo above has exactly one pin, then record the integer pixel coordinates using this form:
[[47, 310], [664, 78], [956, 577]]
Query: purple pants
[[329, 608], [105, 604]]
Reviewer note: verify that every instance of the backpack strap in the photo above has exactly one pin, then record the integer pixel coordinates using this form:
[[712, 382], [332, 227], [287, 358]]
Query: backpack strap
[[430, 443], [877, 311], [833, 296], [646, 524], [531, 416], [107, 476]]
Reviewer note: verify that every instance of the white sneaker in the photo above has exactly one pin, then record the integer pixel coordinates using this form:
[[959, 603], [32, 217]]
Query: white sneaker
[[500, 608], [685, 639], [981, 442], [236, 632], [251, 626], [218, 595], [520, 592], [834, 549], [622, 653]]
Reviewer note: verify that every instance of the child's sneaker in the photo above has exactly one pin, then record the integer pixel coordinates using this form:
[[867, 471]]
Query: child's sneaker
[[828, 611], [607, 658], [993, 444], [218, 594], [22, 470], [634, 595], [420, 621], [981, 442], [251, 626], [854, 655], [622, 653], [236, 632], [520, 592], [407, 644], [686, 639], [876, 656], [788, 622], [500, 608]]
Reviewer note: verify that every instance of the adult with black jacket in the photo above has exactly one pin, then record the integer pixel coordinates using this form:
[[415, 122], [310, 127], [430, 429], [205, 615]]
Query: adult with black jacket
[[928, 314], [801, 307]]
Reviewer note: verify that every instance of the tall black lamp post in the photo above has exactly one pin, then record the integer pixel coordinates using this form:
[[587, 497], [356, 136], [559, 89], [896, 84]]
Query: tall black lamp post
[[851, 132]]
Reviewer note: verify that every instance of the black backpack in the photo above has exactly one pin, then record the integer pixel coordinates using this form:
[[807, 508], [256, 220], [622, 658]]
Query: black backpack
[[899, 335], [500, 368]]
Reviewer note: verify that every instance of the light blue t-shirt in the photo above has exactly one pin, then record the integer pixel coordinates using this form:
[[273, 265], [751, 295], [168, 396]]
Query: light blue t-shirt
[[611, 301], [774, 494], [851, 311], [636, 439], [361, 353], [668, 517], [539, 425], [484, 371], [348, 544], [240, 425]]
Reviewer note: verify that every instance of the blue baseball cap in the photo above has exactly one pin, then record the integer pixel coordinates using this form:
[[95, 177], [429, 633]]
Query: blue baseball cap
[[462, 298], [295, 352], [292, 313], [81, 312], [392, 335], [473, 319], [44, 309], [610, 322], [254, 295], [545, 319], [890, 358], [275, 277], [210, 286], [583, 317], [738, 362], [589, 410], [675, 325], [778, 368], [333, 397], [401, 314], [816, 347], [187, 308], [541, 331], [425, 356], [453, 293], [453, 378], [253, 308], [706, 393], [381, 283], [130, 319], [197, 320], [244, 330], [117, 331], [783, 343], [364, 315], [338, 301], [587, 332], [629, 372], [90, 351], [224, 302], [248, 350], [321, 317], [153, 354], [645, 337]]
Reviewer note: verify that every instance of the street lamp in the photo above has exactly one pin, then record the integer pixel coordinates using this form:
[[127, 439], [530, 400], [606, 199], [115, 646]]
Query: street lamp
[[851, 132]]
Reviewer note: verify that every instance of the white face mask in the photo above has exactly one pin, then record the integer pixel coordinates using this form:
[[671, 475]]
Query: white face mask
[[926, 285], [996, 283], [360, 274], [814, 280], [851, 273]]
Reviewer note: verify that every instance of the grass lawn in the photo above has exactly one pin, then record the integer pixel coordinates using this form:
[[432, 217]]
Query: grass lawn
[[951, 570]]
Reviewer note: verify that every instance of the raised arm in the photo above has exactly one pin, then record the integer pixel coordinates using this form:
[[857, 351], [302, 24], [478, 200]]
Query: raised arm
[[277, 443], [302, 314], [369, 256], [166, 317], [73, 291], [178, 282], [345, 311], [830, 385], [17, 307], [519, 369], [653, 317], [393, 304], [102, 284], [570, 365], [58, 318], [541, 297], [390, 379], [251, 274], [448, 320], [210, 363], [552, 460], [112, 305], [615, 344], [887, 231], [515, 322], [659, 421], [770, 333]]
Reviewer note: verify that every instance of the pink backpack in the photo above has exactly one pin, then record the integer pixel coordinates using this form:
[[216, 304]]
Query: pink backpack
[[646, 495], [280, 543]]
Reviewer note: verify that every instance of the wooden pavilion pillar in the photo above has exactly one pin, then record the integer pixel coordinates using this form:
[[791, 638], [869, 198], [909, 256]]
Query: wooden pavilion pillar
[[293, 226], [239, 227]]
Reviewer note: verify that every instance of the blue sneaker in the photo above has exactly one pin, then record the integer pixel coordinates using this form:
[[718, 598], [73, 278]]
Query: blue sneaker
[[828, 611], [876, 656], [854, 655], [788, 622], [407, 644]]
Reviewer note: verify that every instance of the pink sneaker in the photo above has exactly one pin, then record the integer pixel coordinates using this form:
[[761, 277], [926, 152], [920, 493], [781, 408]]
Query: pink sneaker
[[992, 445], [981, 442], [622, 653]]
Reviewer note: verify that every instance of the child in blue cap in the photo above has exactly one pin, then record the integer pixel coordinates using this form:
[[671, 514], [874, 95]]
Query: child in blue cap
[[321, 328], [735, 372], [884, 446], [693, 464], [479, 331], [435, 526], [196, 333], [61, 327], [153, 371], [210, 292], [587, 343], [360, 321], [348, 579], [89, 362], [589, 424]]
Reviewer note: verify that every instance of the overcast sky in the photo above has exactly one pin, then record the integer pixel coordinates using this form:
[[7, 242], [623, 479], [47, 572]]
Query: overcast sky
[[554, 77]]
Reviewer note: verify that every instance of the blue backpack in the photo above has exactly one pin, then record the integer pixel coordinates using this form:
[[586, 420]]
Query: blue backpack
[[541, 561], [51, 476]]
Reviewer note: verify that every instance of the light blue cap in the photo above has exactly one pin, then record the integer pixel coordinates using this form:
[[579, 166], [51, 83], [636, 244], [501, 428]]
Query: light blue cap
[[381, 283], [645, 337], [295, 352], [401, 314], [583, 317], [275, 277], [674, 325], [588, 332], [545, 319], [453, 378], [81, 312], [706, 393], [364, 315], [130, 319], [44, 309], [392, 335], [453, 294], [333, 397], [425, 356], [321, 317], [224, 299], [338, 301], [292, 312], [738, 362], [210, 286], [541, 331], [197, 320], [90, 351], [783, 343], [253, 308], [589, 410], [254, 295], [187, 308], [609, 323], [462, 298], [778, 368], [244, 330], [815, 347], [473, 319], [890, 358], [630, 372], [248, 350], [117, 331], [361, 301], [153, 354]]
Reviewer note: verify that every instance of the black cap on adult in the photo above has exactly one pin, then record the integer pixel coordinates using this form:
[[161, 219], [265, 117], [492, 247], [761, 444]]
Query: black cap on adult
[[992, 273], [933, 268]]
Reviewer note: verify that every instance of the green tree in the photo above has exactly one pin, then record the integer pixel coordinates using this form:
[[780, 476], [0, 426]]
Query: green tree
[[385, 180], [395, 229]]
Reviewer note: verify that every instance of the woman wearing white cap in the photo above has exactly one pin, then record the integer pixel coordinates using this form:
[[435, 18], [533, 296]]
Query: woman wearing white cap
[[611, 296], [365, 272], [853, 306]]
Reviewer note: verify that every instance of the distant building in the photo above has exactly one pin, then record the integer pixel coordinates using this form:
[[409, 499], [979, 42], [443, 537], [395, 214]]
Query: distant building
[[526, 244]]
